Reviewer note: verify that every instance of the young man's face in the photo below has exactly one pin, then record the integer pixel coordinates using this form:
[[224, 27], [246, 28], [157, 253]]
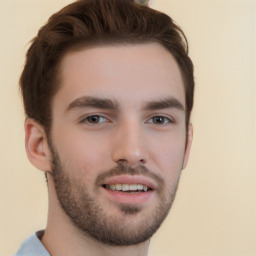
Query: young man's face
[[118, 140]]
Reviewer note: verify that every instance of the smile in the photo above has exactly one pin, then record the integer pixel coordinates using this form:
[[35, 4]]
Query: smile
[[127, 187]]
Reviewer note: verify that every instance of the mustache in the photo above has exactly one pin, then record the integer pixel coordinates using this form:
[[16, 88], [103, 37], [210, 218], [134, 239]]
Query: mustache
[[122, 169]]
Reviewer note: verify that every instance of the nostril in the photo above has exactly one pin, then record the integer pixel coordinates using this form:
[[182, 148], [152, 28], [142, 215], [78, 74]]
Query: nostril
[[143, 161], [131, 154], [122, 161]]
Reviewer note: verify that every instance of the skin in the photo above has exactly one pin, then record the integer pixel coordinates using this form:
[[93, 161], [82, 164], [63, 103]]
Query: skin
[[132, 76]]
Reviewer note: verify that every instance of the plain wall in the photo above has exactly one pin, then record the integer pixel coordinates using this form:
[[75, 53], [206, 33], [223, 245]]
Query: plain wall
[[214, 211]]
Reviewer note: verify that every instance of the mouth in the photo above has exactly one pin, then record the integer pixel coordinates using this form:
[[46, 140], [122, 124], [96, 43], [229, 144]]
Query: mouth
[[127, 188]]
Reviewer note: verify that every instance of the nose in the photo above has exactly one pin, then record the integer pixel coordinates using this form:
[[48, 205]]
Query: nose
[[130, 145]]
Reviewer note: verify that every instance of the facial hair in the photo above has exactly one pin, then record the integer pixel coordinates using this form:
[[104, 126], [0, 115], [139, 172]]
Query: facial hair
[[87, 214]]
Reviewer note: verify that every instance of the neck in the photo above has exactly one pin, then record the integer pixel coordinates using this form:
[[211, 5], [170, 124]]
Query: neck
[[62, 237]]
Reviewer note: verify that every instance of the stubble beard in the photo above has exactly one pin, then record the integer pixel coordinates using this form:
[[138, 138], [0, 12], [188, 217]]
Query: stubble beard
[[91, 219]]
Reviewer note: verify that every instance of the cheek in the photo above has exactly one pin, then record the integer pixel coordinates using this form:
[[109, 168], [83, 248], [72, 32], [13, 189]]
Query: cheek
[[82, 155], [172, 157], [169, 156]]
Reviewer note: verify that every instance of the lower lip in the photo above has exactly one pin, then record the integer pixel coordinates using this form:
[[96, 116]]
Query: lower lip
[[129, 198]]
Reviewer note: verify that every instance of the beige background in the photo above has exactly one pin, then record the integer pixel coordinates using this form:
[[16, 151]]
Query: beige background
[[214, 213]]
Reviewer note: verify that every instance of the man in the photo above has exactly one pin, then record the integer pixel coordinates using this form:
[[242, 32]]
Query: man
[[108, 92]]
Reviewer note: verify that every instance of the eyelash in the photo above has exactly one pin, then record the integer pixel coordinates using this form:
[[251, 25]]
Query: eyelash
[[167, 120], [85, 119]]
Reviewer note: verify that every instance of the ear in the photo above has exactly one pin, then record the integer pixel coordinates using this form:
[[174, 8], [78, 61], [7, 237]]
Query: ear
[[188, 145], [37, 146]]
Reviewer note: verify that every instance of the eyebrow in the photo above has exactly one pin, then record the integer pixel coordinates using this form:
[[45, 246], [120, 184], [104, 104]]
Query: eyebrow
[[104, 103], [170, 102], [93, 102]]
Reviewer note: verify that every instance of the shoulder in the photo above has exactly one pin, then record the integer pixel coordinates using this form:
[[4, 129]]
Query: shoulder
[[32, 246]]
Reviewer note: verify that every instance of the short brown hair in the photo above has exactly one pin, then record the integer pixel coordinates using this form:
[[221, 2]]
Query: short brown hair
[[96, 22]]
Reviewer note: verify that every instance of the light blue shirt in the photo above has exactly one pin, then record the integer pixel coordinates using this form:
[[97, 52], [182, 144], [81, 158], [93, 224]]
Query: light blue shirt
[[32, 246]]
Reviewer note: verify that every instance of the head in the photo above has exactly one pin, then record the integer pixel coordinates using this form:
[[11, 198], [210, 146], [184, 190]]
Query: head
[[108, 92], [96, 22]]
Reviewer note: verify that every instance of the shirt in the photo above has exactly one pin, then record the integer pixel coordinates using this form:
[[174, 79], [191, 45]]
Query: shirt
[[32, 246]]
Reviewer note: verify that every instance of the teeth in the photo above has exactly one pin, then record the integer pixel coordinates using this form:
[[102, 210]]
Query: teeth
[[112, 187], [118, 187], [133, 187], [140, 187], [127, 187]]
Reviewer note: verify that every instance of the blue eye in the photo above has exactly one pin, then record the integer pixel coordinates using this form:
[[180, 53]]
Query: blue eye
[[160, 120]]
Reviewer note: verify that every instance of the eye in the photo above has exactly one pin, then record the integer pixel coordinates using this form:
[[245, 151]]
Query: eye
[[160, 120], [94, 119]]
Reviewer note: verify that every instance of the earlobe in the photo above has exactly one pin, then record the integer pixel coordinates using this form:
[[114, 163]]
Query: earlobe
[[37, 146], [188, 145]]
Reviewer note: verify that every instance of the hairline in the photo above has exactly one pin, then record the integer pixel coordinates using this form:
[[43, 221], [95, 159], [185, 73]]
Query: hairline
[[84, 44]]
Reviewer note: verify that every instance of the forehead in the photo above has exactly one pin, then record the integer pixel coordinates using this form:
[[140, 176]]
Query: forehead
[[128, 73]]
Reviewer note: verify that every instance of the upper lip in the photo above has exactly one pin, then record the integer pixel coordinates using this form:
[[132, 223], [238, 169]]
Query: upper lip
[[130, 179]]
